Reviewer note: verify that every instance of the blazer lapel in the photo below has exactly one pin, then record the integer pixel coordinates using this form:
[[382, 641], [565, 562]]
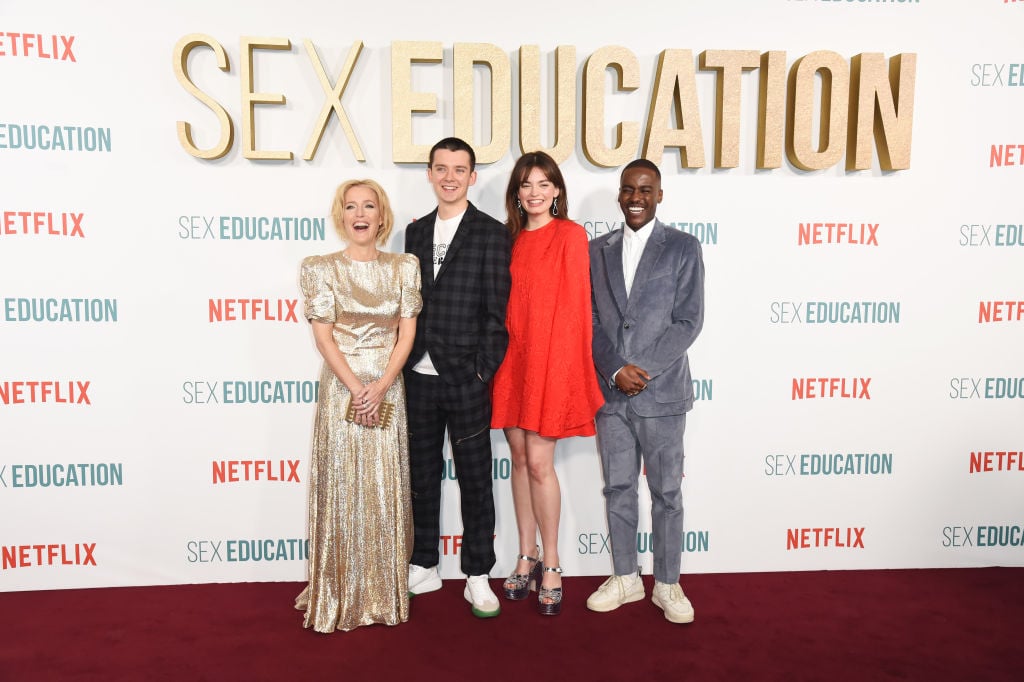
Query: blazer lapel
[[457, 240], [612, 253], [648, 261], [424, 250]]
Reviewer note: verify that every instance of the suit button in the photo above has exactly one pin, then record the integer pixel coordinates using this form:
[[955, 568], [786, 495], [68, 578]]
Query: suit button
[[626, 325]]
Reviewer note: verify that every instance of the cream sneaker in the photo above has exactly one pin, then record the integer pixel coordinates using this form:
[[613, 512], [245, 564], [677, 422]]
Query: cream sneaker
[[423, 580], [616, 591], [478, 593], [671, 600]]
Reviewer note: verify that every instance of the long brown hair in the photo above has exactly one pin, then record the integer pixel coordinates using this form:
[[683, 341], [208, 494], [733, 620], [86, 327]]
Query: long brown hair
[[516, 220]]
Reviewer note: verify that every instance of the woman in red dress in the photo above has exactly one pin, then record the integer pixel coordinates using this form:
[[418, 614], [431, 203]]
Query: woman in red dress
[[546, 388]]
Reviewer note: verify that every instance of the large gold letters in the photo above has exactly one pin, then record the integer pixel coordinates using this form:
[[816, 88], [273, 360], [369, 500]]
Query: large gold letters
[[182, 51], [860, 105]]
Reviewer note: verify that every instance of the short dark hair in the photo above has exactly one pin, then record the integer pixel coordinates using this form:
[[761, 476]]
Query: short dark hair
[[645, 164], [453, 144]]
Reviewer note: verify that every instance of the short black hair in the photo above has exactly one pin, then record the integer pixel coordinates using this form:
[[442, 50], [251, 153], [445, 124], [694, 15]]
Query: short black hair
[[453, 144], [645, 164]]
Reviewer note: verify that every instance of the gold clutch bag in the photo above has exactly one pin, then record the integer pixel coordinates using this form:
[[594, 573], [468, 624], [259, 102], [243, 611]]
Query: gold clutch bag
[[384, 413]]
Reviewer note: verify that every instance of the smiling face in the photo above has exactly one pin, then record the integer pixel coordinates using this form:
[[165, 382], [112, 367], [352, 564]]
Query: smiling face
[[451, 175], [536, 192], [639, 196], [361, 215]]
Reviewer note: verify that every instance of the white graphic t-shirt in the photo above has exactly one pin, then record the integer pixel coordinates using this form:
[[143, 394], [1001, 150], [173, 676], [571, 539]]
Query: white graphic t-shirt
[[444, 231]]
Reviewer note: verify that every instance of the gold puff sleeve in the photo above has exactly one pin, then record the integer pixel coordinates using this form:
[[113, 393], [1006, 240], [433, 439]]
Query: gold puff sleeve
[[409, 275], [316, 277]]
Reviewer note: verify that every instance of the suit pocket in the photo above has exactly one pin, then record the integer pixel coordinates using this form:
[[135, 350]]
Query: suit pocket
[[486, 428], [660, 273]]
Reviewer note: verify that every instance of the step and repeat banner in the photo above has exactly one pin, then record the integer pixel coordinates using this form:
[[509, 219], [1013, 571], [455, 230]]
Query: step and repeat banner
[[853, 170]]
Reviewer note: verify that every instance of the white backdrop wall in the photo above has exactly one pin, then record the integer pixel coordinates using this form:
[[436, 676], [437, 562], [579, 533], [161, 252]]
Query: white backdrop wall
[[130, 454]]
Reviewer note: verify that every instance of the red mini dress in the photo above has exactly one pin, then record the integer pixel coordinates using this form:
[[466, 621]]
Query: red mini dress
[[547, 382]]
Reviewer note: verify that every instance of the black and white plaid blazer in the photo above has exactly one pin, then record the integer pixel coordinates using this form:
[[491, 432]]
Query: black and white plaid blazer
[[462, 323]]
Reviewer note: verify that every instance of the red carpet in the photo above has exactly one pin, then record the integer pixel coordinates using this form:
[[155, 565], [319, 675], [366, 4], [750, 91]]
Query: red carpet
[[962, 624]]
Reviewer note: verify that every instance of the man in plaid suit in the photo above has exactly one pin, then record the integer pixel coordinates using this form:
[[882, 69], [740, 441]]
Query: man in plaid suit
[[460, 341]]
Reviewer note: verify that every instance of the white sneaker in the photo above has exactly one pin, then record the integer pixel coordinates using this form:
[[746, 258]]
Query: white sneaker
[[616, 591], [671, 600], [478, 593], [423, 580]]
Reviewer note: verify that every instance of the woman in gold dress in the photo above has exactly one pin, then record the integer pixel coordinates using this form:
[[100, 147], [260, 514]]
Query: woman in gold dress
[[362, 303]]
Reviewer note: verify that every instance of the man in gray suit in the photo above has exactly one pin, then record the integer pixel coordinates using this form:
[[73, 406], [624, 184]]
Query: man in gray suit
[[648, 307]]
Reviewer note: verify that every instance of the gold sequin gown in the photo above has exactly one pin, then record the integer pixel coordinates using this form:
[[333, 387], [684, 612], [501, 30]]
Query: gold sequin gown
[[360, 520]]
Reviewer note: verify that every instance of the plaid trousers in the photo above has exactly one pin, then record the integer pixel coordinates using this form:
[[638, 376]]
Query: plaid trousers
[[465, 410]]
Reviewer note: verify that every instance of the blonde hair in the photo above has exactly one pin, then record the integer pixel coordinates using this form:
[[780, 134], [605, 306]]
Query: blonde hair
[[383, 205]]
